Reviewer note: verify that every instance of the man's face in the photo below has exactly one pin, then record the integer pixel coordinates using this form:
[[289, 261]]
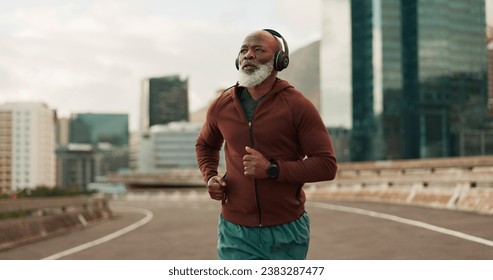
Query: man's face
[[256, 59]]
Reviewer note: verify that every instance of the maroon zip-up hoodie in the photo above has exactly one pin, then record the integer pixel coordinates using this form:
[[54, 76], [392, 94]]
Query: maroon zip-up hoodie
[[287, 128]]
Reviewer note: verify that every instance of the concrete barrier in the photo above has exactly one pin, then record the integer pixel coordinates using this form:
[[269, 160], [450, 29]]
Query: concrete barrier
[[464, 183], [44, 217]]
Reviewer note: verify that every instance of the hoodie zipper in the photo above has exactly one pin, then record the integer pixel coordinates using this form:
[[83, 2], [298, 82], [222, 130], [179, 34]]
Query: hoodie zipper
[[255, 183], [252, 144]]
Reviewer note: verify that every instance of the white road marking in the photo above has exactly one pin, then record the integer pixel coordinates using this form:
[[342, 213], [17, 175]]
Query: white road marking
[[148, 217], [398, 219]]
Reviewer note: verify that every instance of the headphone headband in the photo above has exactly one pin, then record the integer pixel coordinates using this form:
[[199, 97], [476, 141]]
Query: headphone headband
[[277, 34], [282, 58]]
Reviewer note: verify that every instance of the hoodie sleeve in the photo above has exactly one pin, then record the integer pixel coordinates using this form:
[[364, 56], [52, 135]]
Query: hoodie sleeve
[[319, 163], [208, 145]]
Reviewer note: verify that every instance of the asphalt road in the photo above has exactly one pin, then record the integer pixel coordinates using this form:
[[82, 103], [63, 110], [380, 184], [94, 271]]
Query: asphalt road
[[182, 226]]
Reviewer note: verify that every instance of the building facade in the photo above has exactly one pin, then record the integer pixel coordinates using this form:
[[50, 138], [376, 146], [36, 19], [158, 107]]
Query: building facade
[[163, 100], [75, 165], [79, 165], [167, 147], [98, 144], [418, 77], [92, 128], [335, 64], [5, 151], [490, 74], [27, 141]]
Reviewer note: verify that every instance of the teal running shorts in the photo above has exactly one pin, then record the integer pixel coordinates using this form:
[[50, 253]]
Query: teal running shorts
[[282, 242]]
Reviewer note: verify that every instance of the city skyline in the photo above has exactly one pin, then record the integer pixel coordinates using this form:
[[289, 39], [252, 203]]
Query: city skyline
[[91, 56]]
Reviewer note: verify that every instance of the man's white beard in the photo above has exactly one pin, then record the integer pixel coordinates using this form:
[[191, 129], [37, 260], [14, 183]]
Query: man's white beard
[[256, 77]]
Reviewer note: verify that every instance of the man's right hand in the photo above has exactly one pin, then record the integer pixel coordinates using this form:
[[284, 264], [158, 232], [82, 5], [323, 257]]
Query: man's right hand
[[216, 186]]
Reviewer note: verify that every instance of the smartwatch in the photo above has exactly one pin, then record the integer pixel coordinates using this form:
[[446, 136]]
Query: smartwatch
[[273, 170]]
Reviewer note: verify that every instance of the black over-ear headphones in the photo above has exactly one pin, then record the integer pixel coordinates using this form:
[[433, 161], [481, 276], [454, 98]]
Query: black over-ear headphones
[[281, 58]]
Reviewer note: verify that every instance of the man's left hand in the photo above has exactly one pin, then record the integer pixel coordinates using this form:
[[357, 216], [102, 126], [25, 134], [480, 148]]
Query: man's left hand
[[255, 164]]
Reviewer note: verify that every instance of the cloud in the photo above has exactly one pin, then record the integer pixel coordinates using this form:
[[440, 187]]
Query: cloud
[[303, 25], [84, 61], [85, 55]]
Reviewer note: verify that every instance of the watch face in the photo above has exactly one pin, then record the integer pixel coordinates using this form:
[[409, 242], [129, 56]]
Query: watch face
[[273, 171]]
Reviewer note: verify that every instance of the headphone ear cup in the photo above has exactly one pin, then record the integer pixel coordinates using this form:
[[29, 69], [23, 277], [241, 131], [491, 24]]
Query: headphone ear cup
[[281, 61], [237, 63], [276, 61], [284, 61]]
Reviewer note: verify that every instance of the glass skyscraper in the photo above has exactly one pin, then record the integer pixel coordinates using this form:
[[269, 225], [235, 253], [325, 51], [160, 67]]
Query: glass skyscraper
[[98, 144], [163, 100], [418, 77], [92, 128]]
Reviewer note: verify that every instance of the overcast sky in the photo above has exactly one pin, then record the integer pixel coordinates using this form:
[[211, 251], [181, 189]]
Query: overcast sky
[[91, 56]]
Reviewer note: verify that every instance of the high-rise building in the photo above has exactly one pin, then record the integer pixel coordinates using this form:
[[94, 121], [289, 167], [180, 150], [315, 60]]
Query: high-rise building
[[5, 151], [90, 128], [168, 146], [63, 131], [490, 75], [27, 142], [133, 149], [335, 64], [75, 165], [163, 100], [97, 144], [418, 76], [109, 136]]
